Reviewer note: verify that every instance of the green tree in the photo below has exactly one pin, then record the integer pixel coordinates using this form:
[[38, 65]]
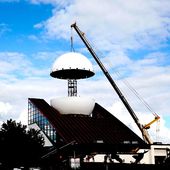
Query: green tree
[[19, 146]]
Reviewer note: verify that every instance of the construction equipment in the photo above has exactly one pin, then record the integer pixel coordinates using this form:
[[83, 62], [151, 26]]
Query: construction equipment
[[143, 128]]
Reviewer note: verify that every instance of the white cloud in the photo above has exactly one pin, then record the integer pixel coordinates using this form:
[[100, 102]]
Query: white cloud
[[44, 55], [131, 24], [4, 28], [4, 108], [14, 65], [10, 61], [34, 38], [53, 2], [14, 96], [39, 25]]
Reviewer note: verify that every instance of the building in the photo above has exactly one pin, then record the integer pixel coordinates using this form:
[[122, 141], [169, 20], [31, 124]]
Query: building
[[77, 129]]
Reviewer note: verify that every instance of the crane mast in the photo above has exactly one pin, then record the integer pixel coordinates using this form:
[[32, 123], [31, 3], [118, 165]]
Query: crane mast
[[144, 132]]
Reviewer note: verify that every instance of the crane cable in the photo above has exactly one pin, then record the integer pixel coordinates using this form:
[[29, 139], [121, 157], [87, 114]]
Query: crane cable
[[137, 95], [128, 85], [142, 100], [157, 118], [71, 42]]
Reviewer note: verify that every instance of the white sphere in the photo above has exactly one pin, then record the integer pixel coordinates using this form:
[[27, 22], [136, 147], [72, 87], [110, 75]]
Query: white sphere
[[72, 65]]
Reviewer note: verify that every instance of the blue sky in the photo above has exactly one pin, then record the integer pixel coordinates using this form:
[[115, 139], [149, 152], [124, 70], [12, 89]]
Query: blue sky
[[132, 38]]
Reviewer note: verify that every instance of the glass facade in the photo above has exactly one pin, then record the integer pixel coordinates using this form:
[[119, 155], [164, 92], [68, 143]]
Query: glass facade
[[35, 116]]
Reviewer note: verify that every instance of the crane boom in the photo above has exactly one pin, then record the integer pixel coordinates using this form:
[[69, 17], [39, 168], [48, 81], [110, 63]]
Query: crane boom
[[121, 96]]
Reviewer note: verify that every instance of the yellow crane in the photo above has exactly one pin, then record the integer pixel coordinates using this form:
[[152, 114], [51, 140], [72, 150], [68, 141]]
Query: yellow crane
[[147, 126], [143, 128]]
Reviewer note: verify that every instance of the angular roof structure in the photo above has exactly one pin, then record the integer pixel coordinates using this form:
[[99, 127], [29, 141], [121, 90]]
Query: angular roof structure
[[101, 132]]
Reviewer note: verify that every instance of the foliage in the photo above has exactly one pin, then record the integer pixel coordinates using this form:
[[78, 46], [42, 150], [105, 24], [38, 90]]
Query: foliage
[[19, 146]]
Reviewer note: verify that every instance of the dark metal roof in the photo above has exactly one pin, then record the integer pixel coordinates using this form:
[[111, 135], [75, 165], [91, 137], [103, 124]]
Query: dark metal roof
[[101, 128]]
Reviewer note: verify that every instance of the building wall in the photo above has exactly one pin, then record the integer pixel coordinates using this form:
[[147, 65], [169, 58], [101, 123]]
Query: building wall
[[38, 120], [155, 155]]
